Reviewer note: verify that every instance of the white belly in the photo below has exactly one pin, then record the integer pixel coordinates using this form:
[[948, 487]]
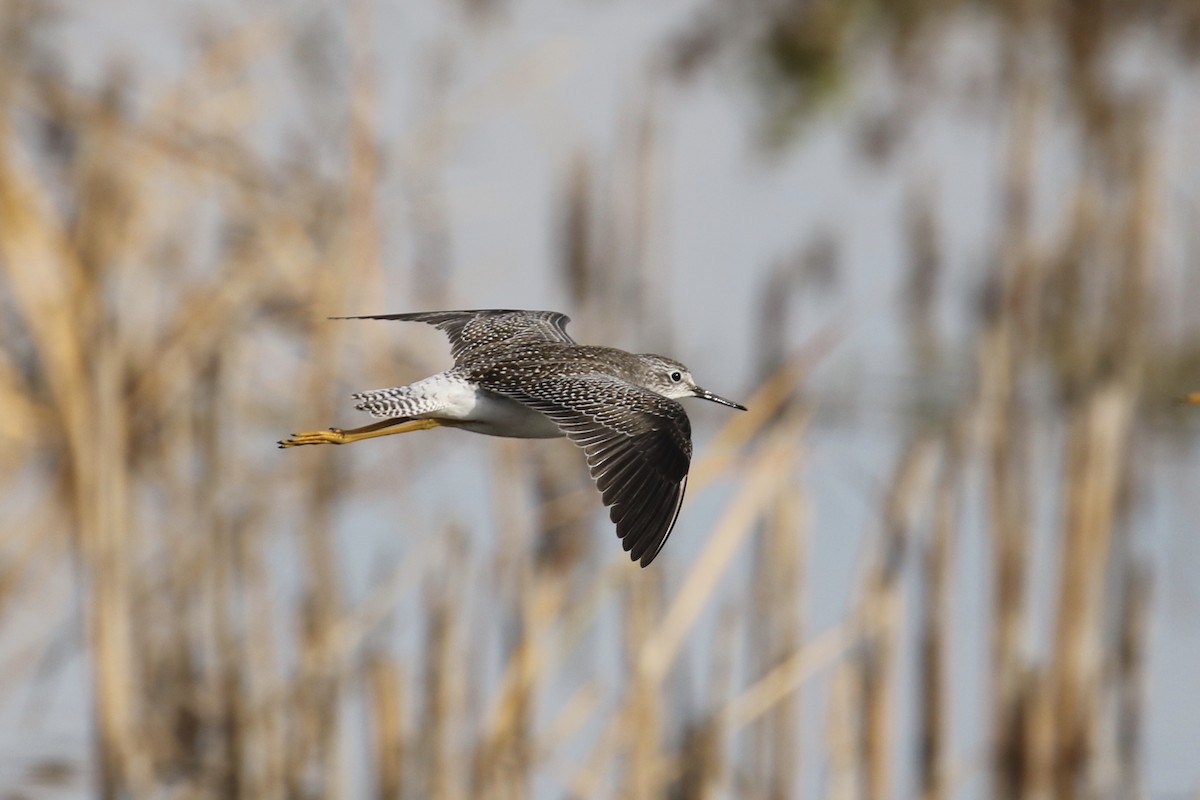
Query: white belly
[[480, 411], [496, 415]]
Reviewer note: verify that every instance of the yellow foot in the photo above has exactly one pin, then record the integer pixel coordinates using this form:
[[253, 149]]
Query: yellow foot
[[331, 436], [387, 427], [1190, 399]]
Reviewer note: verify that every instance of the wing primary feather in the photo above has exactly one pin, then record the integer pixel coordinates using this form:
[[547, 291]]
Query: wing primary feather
[[642, 510], [659, 521], [647, 559]]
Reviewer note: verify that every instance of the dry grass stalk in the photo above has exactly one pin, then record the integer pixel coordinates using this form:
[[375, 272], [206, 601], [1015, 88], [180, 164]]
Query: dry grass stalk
[[387, 714], [442, 693], [1003, 348], [882, 616], [775, 632], [642, 719], [1096, 446], [843, 734], [936, 633], [1130, 681]]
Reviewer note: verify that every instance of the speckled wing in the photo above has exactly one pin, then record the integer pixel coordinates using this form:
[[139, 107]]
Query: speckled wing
[[638, 446], [472, 331]]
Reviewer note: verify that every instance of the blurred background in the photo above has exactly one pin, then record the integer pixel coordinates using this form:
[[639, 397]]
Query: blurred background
[[946, 252]]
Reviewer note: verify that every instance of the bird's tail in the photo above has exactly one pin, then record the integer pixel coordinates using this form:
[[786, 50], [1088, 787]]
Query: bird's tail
[[414, 400], [388, 403]]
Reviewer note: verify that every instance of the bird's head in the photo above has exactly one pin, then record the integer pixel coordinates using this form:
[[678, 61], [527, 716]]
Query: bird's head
[[669, 378]]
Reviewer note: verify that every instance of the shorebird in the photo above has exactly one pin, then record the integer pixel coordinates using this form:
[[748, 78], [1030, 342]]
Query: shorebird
[[518, 374]]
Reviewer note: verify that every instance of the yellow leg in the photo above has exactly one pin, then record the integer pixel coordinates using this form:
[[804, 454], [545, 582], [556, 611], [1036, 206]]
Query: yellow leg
[[1191, 399], [385, 427]]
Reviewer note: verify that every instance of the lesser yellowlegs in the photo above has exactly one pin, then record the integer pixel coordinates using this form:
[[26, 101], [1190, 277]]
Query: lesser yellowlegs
[[518, 374]]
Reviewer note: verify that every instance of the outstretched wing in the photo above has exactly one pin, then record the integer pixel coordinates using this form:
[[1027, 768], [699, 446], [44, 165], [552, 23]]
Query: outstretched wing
[[638, 446], [470, 331]]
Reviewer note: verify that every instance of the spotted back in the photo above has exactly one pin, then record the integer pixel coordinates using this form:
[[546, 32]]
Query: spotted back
[[472, 331]]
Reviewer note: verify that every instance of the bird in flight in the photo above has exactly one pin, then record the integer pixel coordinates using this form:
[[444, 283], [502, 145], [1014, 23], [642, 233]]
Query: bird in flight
[[518, 374]]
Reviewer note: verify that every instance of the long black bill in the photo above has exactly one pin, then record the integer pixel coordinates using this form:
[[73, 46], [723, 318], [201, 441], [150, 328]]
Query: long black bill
[[716, 398]]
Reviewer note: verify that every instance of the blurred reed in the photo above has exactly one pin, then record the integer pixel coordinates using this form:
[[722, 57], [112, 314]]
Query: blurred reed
[[162, 285]]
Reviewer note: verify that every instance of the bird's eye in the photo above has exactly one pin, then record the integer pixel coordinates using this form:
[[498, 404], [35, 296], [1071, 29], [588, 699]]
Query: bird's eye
[[676, 376]]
